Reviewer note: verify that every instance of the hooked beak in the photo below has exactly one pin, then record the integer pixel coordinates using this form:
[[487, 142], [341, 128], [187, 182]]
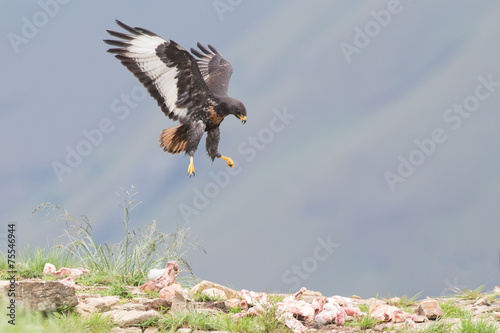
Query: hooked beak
[[242, 118]]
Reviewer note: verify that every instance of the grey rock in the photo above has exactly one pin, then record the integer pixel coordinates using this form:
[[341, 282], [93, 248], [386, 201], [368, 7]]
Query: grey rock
[[127, 318], [85, 310], [157, 304], [129, 307], [182, 302], [184, 330], [429, 308], [103, 304], [230, 293], [46, 296]]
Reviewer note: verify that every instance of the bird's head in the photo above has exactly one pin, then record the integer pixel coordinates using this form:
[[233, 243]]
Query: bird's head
[[235, 107]]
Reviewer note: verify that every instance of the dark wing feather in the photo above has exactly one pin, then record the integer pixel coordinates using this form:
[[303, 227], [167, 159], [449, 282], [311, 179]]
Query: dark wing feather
[[216, 70], [167, 70]]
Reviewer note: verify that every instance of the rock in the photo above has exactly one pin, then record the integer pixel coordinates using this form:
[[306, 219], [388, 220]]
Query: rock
[[429, 308], [134, 330], [168, 292], [496, 290], [482, 301], [126, 330], [83, 296], [129, 307], [184, 330], [156, 304], [182, 302], [85, 310], [128, 318], [103, 304], [212, 305], [214, 292], [230, 293], [41, 295]]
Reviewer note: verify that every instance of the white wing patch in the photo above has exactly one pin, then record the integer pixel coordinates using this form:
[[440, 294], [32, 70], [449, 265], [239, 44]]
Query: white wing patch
[[151, 70]]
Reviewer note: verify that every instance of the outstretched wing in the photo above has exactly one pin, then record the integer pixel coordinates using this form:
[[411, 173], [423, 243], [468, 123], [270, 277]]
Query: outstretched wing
[[166, 69], [215, 69]]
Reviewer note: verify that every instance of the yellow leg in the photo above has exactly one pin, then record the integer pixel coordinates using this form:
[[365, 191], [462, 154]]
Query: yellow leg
[[191, 167], [229, 161]]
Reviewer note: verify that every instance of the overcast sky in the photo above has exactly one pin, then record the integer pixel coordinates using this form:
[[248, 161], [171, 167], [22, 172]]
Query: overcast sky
[[368, 164]]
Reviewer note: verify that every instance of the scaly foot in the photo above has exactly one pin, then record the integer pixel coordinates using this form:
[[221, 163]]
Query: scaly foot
[[229, 161], [191, 167]]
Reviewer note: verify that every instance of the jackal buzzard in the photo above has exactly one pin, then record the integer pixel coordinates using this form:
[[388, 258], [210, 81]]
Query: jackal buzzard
[[191, 91]]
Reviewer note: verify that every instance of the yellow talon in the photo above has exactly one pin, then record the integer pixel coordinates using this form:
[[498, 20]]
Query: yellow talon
[[191, 167], [229, 161]]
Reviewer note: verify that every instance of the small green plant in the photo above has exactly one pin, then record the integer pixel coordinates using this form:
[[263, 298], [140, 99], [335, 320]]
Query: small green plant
[[119, 290], [438, 327], [469, 294], [468, 325], [451, 310], [31, 261], [366, 322], [236, 309], [403, 301], [194, 320], [200, 297]]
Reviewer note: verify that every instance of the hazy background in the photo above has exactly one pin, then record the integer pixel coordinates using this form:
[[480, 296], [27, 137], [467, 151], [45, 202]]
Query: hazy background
[[319, 177]]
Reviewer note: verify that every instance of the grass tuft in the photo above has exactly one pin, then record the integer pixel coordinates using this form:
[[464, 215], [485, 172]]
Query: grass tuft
[[468, 325], [128, 260], [403, 302], [469, 294]]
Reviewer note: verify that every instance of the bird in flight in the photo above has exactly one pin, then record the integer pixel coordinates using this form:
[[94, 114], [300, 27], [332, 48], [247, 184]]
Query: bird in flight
[[190, 90]]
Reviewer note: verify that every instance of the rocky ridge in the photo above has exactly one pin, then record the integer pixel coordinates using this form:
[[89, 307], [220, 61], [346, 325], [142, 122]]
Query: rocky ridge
[[136, 306]]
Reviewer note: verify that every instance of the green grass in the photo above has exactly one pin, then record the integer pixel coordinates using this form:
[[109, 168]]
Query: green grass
[[31, 261], [365, 322], [61, 321], [438, 327], [199, 297], [404, 301], [128, 260], [451, 310], [469, 294], [435, 327], [468, 325]]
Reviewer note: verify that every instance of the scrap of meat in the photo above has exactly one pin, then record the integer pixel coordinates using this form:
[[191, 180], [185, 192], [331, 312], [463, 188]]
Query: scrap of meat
[[167, 277], [294, 324], [68, 282], [64, 271], [294, 312], [168, 292], [386, 312]]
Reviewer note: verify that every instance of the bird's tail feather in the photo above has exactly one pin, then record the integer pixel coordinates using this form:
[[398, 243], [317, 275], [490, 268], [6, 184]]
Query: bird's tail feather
[[174, 139]]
